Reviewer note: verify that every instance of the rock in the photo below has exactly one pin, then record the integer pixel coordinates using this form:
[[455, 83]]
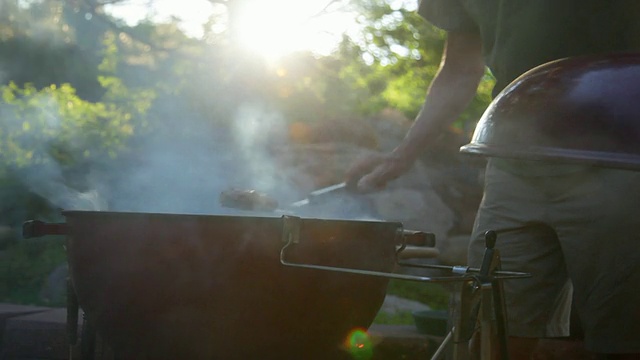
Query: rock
[[346, 130]]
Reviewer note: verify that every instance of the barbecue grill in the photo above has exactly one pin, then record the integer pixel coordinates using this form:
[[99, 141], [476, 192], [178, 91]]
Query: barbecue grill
[[175, 286], [581, 110], [169, 286]]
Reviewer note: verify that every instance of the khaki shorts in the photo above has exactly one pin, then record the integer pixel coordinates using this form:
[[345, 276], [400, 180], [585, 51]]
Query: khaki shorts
[[576, 231]]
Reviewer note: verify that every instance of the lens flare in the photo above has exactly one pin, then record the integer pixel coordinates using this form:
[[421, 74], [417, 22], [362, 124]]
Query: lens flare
[[359, 344]]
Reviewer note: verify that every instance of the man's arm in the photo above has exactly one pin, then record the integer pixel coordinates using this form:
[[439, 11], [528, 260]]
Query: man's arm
[[449, 94]]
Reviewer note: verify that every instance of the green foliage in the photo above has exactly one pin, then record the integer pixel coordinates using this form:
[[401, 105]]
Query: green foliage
[[53, 123], [399, 318], [126, 107], [393, 63], [80, 89], [45, 120], [431, 294], [434, 295], [24, 268]]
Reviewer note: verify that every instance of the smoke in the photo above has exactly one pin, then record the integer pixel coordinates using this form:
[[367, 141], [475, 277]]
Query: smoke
[[48, 182], [255, 131], [28, 138], [180, 167], [186, 165]]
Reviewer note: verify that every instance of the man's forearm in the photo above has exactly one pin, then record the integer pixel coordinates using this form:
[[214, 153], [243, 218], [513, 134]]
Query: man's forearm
[[449, 94]]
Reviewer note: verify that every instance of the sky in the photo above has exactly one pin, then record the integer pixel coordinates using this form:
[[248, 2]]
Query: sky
[[271, 28]]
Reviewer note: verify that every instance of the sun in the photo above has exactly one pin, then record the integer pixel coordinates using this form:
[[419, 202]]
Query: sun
[[279, 27], [267, 28]]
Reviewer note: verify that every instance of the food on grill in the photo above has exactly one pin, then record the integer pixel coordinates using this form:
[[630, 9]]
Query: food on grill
[[247, 200]]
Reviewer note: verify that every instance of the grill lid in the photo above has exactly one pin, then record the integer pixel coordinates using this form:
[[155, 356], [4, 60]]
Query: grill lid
[[578, 110]]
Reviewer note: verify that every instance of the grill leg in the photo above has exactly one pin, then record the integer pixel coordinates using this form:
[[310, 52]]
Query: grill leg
[[88, 339]]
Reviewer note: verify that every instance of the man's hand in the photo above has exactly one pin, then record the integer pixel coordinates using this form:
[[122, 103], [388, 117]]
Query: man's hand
[[449, 94], [373, 172]]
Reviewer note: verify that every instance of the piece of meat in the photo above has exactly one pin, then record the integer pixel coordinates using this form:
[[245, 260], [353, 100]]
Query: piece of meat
[[247, 200]]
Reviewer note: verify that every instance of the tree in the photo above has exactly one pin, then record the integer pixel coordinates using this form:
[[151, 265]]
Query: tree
[[399, 54]]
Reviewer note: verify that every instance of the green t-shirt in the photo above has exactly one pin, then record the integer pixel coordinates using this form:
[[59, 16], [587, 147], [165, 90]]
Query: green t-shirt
[[519, 35]]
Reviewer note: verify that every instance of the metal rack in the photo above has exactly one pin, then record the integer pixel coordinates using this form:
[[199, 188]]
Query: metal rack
[[480, 307]]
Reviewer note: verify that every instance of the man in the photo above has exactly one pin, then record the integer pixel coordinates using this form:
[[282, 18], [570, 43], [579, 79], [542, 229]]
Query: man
[[579, 206]]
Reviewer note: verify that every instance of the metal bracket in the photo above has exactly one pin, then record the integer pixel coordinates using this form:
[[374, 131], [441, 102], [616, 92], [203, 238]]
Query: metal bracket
[[291, 229], [291, 235], [481, 301]]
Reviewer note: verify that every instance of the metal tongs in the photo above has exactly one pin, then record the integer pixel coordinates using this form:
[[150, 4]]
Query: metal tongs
[[253, 200], [314, 196]]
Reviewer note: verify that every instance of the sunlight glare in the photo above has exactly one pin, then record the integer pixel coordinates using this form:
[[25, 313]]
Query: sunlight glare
[[275, 28], [269, 29], [191, 15]]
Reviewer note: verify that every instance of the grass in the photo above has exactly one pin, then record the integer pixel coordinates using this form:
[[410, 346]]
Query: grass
[[399, 318], [24, 268], [433, 295]]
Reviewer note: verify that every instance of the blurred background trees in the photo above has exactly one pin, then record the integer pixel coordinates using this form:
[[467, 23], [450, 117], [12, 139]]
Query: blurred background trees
[[82, 86]]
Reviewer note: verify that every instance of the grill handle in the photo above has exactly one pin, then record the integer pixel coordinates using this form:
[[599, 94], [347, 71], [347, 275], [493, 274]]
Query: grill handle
[[418, 238], [37, 228], [416, 245], [417, 252]]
